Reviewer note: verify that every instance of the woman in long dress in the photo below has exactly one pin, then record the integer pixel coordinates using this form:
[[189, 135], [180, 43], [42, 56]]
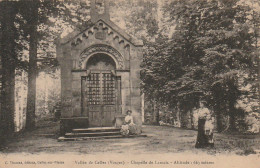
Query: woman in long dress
[[205, 128]]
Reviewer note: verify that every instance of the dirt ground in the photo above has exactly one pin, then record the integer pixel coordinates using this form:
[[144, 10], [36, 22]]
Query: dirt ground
[[160, 139]]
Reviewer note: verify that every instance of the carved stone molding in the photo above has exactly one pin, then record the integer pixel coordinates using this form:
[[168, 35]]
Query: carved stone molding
[[101, 48], [101, 31]]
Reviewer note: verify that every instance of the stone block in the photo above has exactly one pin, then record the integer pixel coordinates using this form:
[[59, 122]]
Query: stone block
[[119, 121], [76, 111], [76, 76], [76, 93], [67, 124]]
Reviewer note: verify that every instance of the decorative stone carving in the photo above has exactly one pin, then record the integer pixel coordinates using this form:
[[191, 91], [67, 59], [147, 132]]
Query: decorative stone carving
[[100, 35], [101, 48], [98, 31]]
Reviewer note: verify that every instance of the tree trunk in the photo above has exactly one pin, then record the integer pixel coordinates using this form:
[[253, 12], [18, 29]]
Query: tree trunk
[[8, 57], [219, 124], [155, 113], [232, 98], [191, 119], [46, 95], [232, 124], [218, 115], [32, 70]]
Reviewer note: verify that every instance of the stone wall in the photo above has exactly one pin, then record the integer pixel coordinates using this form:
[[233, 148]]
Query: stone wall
[[73, 55]]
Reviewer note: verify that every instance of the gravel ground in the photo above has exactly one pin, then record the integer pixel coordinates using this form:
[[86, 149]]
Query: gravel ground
[[160, 139]]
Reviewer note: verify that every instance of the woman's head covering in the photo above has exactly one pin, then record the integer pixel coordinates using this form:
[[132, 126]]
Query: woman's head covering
[[128, 112]]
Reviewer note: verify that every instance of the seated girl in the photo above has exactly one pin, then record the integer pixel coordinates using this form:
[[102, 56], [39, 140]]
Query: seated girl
[[209, 127], [128, 128]]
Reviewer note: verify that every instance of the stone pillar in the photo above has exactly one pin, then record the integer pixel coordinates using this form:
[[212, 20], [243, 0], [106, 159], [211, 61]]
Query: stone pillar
[[66, 87], [143, 108], [135, 62], [76, 93], [125, 91]]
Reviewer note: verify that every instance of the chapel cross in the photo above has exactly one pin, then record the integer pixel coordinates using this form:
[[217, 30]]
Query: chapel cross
[[99, 9]]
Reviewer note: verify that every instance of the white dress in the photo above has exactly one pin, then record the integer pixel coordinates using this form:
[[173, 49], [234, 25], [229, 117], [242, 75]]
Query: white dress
[[129, 127], [203, 112], [129, 120], [209, 126]]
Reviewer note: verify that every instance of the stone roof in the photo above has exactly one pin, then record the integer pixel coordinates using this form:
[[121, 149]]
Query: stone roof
[[73, 36]]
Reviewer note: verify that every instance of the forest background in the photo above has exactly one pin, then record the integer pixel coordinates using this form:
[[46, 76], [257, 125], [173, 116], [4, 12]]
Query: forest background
[[194, 50]]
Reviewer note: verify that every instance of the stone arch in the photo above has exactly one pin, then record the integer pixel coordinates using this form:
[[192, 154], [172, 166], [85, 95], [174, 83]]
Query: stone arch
[[86, 60], [101, 48], [100, 61]]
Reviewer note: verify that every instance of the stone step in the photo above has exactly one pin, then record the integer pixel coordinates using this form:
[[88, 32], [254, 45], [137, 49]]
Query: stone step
[[91, 134], [96, 129], [60, 139]]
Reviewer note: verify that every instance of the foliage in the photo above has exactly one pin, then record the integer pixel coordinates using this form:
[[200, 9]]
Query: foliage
[[193, 49], [213, 44]]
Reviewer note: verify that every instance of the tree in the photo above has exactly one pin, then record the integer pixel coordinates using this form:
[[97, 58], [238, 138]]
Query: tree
[[31, 16], [36, 14], [211, 46], [8, 55]]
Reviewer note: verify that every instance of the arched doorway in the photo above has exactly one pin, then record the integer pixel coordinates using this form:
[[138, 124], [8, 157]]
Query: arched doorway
[[101, 91], [100, 61]]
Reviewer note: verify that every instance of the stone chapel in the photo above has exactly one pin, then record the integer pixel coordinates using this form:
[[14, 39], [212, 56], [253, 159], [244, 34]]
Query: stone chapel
[[100, 74]]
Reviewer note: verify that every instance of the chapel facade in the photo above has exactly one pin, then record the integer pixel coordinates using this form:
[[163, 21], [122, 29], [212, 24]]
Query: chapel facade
[[100, 74]]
